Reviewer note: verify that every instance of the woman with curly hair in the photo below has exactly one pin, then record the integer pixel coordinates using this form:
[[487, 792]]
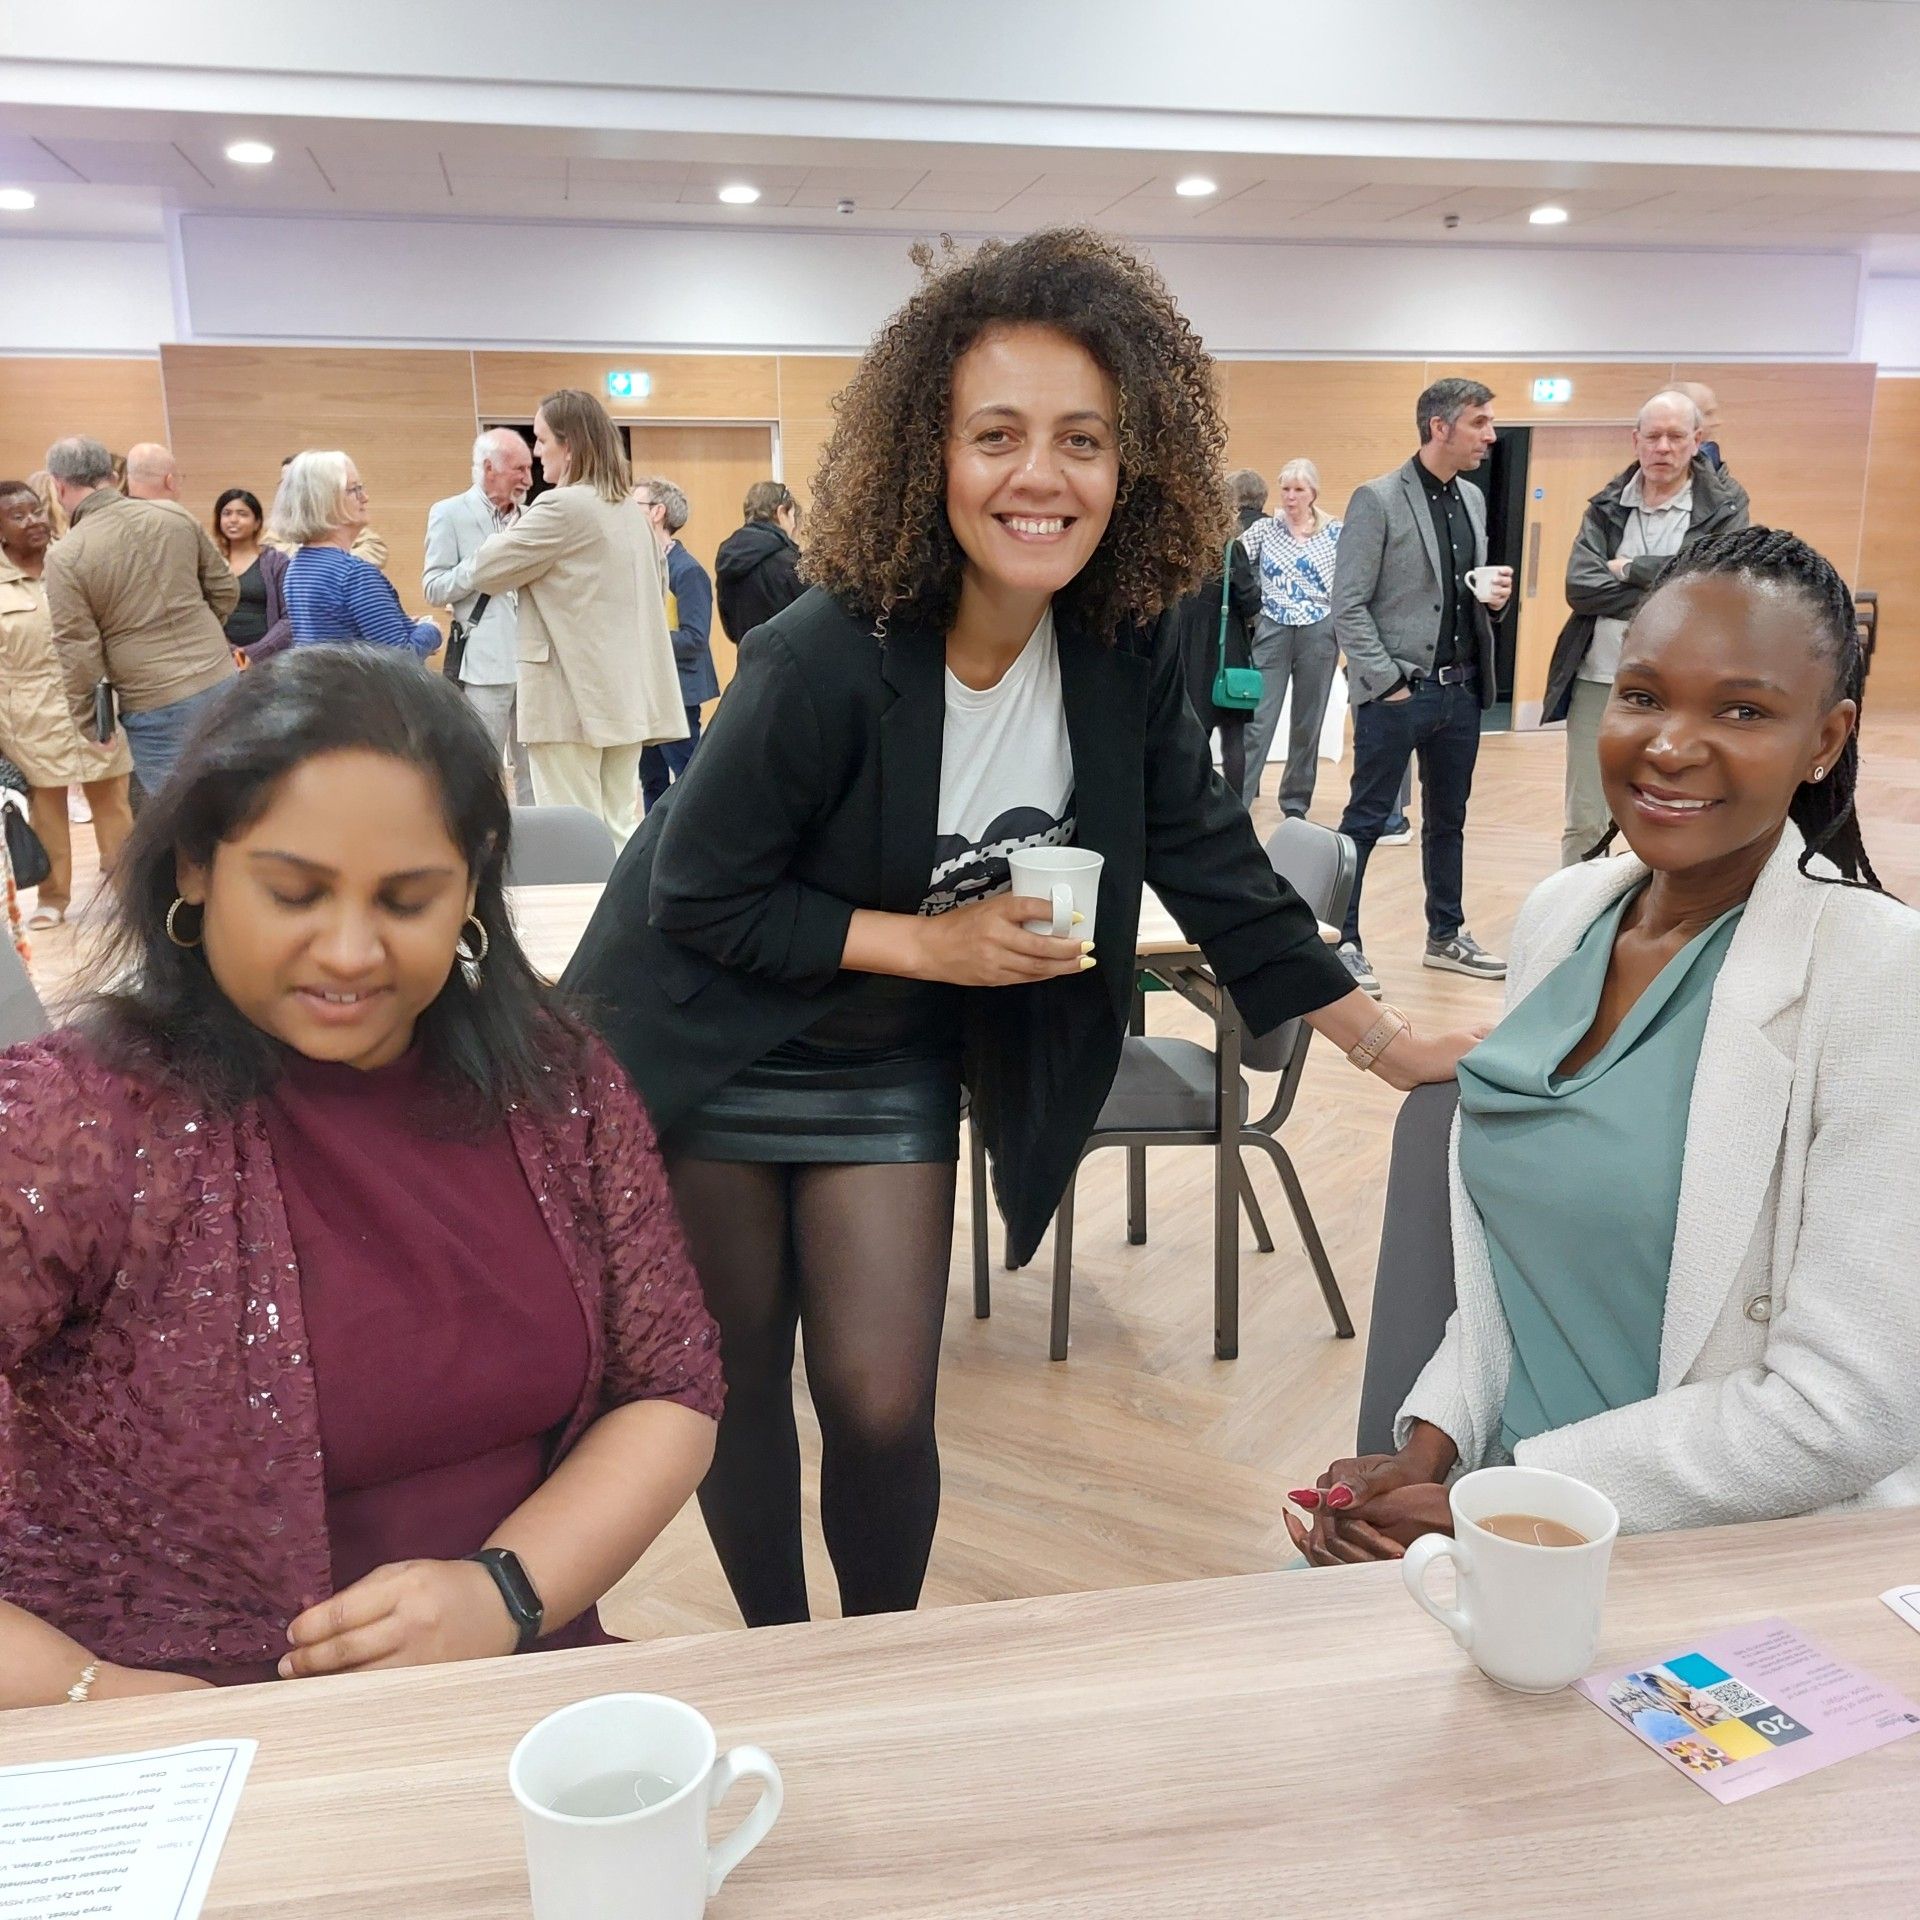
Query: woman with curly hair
[[810, 946]]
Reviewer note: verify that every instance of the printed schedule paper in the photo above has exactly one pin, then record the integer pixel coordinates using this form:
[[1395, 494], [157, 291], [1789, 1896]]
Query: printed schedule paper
[[1905, 1601], [1752, 1709], [128, 1836]]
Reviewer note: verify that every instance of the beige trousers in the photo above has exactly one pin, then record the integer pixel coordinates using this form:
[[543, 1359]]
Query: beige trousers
[[1587, 817], [604, 780]]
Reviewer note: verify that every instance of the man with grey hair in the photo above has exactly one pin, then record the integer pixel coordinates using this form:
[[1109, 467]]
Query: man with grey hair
[[1668, 500], [487, 667], [1413, 608], [690, 617], [138, 595], [152, 472]]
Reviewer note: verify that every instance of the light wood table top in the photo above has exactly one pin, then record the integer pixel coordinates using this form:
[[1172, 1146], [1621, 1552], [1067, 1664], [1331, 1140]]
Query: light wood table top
[[550, 921], [1282, 1743]]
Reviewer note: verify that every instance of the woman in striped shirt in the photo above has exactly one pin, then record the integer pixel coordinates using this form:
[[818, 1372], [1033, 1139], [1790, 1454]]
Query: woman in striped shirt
[[333, 597]]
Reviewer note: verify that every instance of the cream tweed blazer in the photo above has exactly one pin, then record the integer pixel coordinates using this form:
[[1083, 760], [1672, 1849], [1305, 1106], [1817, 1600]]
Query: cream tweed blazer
[[1790, 1351]]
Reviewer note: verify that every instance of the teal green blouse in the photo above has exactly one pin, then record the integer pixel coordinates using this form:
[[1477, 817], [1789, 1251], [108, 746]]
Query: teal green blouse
[[1577, 1176]]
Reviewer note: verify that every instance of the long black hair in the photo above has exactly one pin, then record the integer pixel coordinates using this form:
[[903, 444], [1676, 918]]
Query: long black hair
[[1825, 811], [158, 1008], [250, 502]]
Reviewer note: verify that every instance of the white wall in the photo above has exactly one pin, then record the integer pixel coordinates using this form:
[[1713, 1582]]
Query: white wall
[[1890, 324], [416, 282], [84, 296]]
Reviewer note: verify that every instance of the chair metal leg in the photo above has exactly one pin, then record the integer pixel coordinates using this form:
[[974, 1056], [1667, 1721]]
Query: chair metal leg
[[1226, 1191], [1062, 1273], [1309, 1232], [1136, 1196], [1258, 1220], [977, 1181]]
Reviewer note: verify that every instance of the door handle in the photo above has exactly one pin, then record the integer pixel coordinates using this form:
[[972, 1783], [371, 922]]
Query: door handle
[[1533, 559]]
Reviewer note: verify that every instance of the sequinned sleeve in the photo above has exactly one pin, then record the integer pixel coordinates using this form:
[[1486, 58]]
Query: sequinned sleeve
[[661, 1342], [66, 1181]]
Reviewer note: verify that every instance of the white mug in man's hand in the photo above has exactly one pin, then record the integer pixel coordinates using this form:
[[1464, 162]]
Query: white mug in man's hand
[[1485, 583], [1068, 879]]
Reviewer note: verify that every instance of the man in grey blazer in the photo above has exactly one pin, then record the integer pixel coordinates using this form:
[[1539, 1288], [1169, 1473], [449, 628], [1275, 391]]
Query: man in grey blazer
[[456, 529], [1420, 660]]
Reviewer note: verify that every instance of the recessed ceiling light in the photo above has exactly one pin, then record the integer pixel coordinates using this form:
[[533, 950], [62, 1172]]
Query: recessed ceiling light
[[15, 200], [1547, 217], [739, 194], [250, 153], [1196, 186]]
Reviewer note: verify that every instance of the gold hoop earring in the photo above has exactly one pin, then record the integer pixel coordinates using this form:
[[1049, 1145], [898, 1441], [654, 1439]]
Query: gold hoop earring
[[470, 960], [173, 933]]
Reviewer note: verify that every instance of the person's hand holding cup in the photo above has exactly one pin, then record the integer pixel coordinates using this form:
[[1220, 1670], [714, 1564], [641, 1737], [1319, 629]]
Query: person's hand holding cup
[[1491, 586]]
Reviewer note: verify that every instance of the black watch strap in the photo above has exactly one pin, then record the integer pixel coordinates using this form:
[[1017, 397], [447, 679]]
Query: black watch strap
[[516, 1592]]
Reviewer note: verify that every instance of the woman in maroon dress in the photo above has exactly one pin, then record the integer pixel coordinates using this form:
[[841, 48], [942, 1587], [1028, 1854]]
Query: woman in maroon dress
[[345, 1321]]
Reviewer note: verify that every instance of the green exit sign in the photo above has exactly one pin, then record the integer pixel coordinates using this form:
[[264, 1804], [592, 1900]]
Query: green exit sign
[[627, 384], [1552, 393]]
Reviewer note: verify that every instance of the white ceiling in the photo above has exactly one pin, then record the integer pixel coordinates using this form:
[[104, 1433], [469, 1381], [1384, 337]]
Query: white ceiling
[[102, 171]]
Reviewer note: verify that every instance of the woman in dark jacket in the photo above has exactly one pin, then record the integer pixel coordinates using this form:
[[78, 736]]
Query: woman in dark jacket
[[809, 946], [757, 567], [1197, 632], [258, 626]]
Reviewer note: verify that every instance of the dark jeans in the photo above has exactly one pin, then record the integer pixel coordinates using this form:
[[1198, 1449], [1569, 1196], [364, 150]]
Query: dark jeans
[[661, 766], [1439, 727]]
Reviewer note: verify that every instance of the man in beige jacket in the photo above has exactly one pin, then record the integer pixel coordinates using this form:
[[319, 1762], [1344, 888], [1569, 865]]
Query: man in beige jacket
[[137, 592], [597, 678]]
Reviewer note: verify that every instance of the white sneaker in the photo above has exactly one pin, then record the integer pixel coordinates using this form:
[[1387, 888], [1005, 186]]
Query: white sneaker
[[77, 809]]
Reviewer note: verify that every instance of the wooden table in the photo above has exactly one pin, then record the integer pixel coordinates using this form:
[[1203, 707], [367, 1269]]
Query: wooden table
[[1291, 1743], [550, 921]]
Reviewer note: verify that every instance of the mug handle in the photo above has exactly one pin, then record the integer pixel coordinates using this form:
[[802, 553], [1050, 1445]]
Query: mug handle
[[742, 1763], [1413, 1570], [1062, 897]]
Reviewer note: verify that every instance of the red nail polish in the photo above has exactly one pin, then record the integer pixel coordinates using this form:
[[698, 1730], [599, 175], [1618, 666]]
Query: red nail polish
[[1308, 1497], [1340, 1497]]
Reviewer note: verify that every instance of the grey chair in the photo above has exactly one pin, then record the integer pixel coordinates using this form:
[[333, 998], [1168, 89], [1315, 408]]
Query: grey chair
[[558, 847], [1164, 1095], [1413, 1283], [22, 1017]]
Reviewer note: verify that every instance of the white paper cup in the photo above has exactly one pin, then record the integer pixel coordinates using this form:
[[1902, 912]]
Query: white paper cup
[[654, 1861], [1068, 878], [1529, 1616]]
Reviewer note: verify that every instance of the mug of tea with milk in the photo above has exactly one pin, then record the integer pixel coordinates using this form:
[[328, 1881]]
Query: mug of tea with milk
[[1530, 1551]]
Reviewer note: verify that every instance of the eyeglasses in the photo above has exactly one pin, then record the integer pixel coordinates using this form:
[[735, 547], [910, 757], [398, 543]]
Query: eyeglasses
[[357, 490]]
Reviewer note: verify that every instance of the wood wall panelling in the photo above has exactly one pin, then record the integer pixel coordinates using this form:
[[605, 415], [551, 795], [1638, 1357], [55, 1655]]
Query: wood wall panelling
[[405, 417], [1796, 437], [809, 385], [1602, 390], [43, 399], [1352, 418], [686, 386], [1890, 546]]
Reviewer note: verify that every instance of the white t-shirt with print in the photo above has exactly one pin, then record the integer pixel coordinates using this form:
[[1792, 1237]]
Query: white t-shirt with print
[[1006, 775]]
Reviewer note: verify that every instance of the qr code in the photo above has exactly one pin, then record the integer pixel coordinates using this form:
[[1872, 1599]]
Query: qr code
[[1736, 1698]]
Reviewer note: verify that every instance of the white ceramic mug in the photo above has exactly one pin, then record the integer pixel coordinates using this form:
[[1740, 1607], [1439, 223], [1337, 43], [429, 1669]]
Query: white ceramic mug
[[1068, 878], [1529, 1616], [654, 1861], [1484, 582]]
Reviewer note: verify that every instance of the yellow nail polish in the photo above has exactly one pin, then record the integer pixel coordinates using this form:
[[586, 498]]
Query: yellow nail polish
[[1087, 960], [1078, 918], [1086, 946]]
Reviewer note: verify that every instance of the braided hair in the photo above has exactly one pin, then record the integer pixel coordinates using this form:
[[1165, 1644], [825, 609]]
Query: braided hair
[[1824, 811]]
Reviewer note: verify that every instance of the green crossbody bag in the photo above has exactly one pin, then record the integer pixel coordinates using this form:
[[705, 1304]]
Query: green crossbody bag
[[1237, 689]]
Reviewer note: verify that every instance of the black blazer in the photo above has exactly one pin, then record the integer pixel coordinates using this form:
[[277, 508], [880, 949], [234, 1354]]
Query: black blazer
[[814, 792]]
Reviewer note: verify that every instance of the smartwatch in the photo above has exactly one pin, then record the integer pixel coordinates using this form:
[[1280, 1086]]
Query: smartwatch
[[516, 1591]]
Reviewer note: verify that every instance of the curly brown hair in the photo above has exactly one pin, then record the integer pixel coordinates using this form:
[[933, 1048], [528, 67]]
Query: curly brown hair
[[881, 540]]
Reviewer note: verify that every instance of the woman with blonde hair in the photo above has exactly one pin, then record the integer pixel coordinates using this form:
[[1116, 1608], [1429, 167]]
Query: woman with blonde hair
[[1293, 644], [333, 597], [597, 679]]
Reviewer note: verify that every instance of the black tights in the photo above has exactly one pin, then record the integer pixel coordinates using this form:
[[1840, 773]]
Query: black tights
[[855, 1257]]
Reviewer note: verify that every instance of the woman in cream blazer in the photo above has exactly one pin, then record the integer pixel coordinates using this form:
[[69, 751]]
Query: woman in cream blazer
[[597, 680], [1788, 1342]]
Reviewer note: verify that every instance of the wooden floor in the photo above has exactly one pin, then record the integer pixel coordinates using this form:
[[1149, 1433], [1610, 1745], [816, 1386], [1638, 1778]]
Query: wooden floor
[[1142, 1458]]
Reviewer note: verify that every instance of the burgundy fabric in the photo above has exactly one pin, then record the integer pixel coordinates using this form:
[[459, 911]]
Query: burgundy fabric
[[447, 1344], [163, 1481]]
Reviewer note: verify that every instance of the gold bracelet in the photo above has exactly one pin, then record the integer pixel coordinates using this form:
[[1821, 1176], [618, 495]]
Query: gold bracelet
[[84, 1685], [1379, 1037]]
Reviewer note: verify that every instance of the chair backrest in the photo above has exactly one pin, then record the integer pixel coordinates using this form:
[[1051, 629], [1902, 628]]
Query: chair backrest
[[22, 1017], [1413, 1290], [1319, 865], [558, 847]]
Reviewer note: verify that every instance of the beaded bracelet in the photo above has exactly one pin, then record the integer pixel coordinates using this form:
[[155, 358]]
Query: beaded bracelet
[[1379, 1037]]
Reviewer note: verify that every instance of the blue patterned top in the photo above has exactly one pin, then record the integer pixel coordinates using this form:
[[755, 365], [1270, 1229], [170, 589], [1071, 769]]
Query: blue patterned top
[[336, 598], [1296, 576]]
